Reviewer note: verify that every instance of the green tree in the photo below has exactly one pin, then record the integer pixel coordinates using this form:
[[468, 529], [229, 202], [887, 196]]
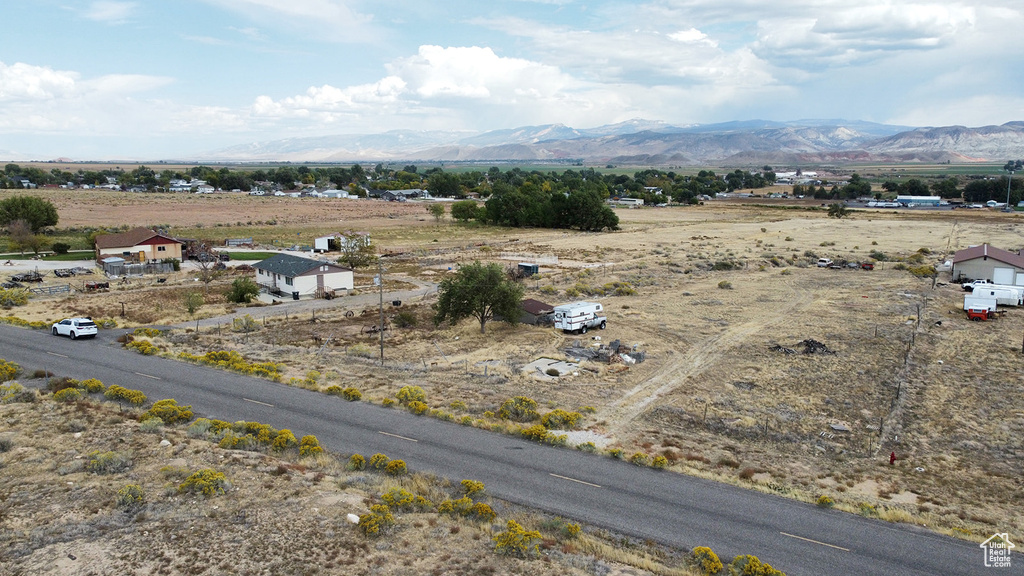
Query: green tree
[[436, 210], [466, 210], [193, 301], [837, 210], [242, 290], [857, 187], [356, 250], [445, 184], [38, 213], [481, 291]]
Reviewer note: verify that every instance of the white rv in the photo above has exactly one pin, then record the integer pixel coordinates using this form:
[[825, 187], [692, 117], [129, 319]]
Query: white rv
[[1005, 295], [979, 303], [579, 317]]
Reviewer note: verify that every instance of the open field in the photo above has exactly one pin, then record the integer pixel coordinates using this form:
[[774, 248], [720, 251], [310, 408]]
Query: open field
[[717, 286]]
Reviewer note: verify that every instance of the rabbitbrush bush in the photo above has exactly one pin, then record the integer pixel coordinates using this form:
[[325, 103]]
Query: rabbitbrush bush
[[283, 441], [417, 407], [379, 461], [92, 386], [169, 411], [67, 395], [356, 462], [519, 409], [516, 541], [130, 497], [396, 468], [747, 565], [378, 521], [559, 419], [472, 488], [119, 394], [309, 446], [108, 462], [207, 482], [408, 394], [351, 394], [8, 370], [706, 560]]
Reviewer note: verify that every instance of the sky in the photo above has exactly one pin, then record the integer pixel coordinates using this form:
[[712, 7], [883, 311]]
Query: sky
[[163, 79]]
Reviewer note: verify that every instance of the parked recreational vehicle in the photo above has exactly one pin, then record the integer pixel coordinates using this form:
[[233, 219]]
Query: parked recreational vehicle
[[579, 317], [1006, 295], [979, 303]]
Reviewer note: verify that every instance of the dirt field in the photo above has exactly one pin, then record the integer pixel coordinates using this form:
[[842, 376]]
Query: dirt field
[[722, 291]]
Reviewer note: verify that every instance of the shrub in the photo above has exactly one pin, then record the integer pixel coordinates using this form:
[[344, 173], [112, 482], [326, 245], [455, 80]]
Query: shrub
[[108, 462], [398, 498], [725, 285], [243, 290], [706, 560], [309, 446], [537, 433], [151, 425], [387, 402], [466, 420], [13, 296], [417, 407], [356, 462], [472, 488], [245, 324], [11, 392], [67, 395], [519, 409], [866, 509], [92, 385], [130, 497], [409, 394], [559, 419], [553, 372], [119, 394], [639, 458], [378, 521], [587, 447], [333, 390], [144, 347], [60, 247], [572, 530], [6, 444], [169, 411], [516, 541], [148, 332], [379, 461], [351, 394], [461, 506], [824, 501], [482, 512], [8, 370], [458, 405], [234, 361], [615, 453], [747, 565], [284, 440], [659, 462], [207, 482], [396, 468], [926, 271], [405, 319]]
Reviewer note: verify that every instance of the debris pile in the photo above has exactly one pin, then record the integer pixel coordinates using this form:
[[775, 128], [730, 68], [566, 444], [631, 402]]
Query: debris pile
[[810, 347], [613, 353]]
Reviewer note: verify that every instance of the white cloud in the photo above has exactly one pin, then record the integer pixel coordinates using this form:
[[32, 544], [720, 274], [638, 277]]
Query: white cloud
[[109, 11], [21, 81], [328, 20]]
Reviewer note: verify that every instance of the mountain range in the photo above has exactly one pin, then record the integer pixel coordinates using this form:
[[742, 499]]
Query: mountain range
[[654, 143]]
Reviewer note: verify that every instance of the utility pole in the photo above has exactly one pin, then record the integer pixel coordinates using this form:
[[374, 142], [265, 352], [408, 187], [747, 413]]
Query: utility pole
[[380, 284]]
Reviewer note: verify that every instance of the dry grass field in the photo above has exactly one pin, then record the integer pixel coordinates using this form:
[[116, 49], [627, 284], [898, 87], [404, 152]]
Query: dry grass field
[[721, 291]]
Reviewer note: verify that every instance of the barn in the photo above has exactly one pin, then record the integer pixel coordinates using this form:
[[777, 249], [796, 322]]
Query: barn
[[989, 263], [298, 277]]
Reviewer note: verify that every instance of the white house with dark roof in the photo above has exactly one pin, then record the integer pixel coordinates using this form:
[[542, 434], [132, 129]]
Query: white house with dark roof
[[298, 277], [984, 262]]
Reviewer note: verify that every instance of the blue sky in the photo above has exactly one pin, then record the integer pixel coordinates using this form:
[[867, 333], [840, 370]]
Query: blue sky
[[152, 79]]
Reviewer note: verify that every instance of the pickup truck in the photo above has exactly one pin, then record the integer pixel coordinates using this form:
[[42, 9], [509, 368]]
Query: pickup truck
[[824, 262]]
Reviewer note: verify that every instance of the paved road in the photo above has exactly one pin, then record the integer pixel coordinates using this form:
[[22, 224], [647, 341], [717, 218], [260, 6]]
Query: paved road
[[674, 509]]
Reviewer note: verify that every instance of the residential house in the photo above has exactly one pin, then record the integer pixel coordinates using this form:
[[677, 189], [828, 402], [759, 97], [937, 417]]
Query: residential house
[[138, 245], [298, 277], [986, 262]]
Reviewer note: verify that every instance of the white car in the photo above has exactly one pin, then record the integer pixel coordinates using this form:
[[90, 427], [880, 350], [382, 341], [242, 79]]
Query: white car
[[824, 262], [75, 328]]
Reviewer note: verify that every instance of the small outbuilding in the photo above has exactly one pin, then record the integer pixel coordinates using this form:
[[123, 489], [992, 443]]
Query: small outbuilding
[[297, 277], [989, 263], [536, 312]]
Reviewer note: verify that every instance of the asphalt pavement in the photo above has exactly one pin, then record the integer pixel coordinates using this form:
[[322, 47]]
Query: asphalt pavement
[[674, 509]]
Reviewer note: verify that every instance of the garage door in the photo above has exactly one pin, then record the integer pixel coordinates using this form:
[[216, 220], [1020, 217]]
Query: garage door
[[1020, 279], [1002, 276]]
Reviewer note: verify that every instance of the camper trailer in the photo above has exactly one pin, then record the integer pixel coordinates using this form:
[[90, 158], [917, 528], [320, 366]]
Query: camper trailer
[[579, 317], [1005, 295]]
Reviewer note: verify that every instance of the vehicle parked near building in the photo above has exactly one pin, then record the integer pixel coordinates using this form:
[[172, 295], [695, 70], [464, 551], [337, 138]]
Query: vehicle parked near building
[[579, 317]]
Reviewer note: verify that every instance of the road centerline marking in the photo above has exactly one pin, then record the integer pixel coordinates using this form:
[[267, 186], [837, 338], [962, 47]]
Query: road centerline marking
[[574, 480], [257, 402], [147, 376], [397, 436], [55, 354], [815, 542]]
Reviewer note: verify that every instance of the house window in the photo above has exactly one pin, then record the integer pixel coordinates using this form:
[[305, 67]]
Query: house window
[[288, 280], [323, 268], [161, 248]]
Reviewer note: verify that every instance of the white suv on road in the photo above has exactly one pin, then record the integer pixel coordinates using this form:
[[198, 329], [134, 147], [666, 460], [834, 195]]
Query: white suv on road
[[75, 328]]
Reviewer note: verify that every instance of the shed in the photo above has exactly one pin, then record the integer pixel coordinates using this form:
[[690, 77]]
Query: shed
[[535, 312], [989, 263], [294, 276]]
